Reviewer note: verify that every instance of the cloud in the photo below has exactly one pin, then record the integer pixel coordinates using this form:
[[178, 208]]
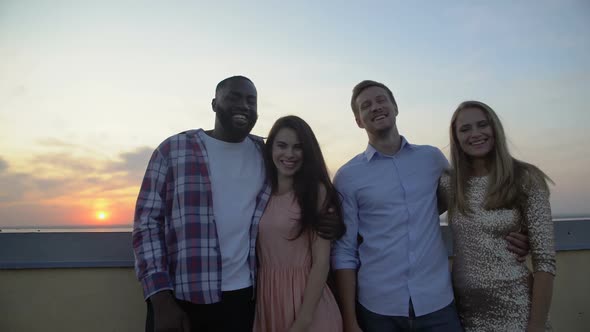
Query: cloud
[[3, 165], [132, 164], [57, 143], [133, 161], [13, 187], [62, 188], [64, 162], [64, 174]]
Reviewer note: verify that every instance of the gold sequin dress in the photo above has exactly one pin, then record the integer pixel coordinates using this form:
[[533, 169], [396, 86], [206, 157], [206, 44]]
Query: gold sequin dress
[[492, 289]]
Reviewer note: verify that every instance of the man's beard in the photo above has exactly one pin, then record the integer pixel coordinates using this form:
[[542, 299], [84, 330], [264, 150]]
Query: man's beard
[[227, 122]]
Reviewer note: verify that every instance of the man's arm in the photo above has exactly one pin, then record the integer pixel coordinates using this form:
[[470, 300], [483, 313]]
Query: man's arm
[[442, 198], [345, 259], [441, 191], [149, 247], [346, 286], [518, 243], [168, 316]]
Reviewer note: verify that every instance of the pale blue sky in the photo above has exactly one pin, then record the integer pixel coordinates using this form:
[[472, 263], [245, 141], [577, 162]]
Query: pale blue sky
[[88, 88]]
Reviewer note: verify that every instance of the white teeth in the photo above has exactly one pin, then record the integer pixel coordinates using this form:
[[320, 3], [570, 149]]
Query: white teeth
[[239, 117], [478, 142], [377, 118], [288, 164]]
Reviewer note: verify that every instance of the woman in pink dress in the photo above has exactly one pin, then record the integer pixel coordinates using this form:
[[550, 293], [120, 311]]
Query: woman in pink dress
[[301, 219]]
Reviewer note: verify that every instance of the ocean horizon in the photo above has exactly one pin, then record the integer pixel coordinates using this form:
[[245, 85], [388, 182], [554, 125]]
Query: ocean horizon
[[129, 228], [93, 229]]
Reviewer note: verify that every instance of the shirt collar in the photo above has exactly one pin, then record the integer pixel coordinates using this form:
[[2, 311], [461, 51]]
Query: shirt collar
[[370, 152]]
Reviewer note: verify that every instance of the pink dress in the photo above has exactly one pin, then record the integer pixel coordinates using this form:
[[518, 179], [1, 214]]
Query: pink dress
[[284, 266]]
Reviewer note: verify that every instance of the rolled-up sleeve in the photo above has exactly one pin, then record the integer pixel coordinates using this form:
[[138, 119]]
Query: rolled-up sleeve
[[345, 250], [149, 247], [537, 216]]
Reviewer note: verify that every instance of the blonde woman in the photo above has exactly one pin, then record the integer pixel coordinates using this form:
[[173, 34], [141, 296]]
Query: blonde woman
[[490, 194]]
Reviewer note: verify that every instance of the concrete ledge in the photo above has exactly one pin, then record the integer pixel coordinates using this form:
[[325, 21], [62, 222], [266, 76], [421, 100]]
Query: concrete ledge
[[65, 250], [113, 249], [572, 235]]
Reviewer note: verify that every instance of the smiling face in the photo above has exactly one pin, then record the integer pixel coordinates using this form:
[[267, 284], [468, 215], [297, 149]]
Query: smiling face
[[287, 154], [235, 106], [376, 112], [474, 132]]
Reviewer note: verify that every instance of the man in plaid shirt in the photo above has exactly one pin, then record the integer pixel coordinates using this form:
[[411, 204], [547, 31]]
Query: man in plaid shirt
[[196, 220]]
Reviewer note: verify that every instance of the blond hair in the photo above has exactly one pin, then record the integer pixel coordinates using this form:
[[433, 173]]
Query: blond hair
[[508, 177]]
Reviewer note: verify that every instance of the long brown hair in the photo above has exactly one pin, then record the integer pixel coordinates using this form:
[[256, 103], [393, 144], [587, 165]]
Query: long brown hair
[[508, 176], [307, 182]]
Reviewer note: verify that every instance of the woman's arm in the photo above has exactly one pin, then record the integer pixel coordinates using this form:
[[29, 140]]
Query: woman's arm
[[316, 282], [542, 294], [318, 275], [537, 215]]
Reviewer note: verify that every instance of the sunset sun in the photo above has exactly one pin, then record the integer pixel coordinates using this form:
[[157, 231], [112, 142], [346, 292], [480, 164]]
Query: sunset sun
[[101, 215]]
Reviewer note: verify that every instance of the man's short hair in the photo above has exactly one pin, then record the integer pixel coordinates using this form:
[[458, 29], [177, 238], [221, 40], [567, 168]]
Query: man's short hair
[[224, 82], [356, 91]]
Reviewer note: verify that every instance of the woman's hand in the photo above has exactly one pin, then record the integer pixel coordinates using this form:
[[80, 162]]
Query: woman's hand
[[535, 328], [300, 325], [353, 328]]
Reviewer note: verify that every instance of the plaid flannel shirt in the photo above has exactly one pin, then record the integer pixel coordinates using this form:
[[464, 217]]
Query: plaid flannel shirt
[[175, 239]]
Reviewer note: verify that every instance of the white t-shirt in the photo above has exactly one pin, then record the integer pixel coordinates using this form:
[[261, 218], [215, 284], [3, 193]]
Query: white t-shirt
[[237, 175]]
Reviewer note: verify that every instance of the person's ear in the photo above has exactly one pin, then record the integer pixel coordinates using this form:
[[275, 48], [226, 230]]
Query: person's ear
[[358, 122]]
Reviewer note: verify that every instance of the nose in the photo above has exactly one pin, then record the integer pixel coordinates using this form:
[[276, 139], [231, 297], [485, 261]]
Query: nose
[[245, 104], [289, 152], [375, 108], [475, 133]]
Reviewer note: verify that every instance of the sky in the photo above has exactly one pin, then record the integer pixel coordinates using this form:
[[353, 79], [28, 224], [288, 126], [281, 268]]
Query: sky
[[89, 88]]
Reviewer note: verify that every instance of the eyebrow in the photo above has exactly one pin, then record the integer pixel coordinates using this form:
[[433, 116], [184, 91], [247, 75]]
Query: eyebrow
[[296, 143], [370, 100]]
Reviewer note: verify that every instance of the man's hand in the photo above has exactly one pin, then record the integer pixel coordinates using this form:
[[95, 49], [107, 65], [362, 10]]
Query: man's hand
[[329, 218], [352, 328], [168, 316], [518, 243]]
